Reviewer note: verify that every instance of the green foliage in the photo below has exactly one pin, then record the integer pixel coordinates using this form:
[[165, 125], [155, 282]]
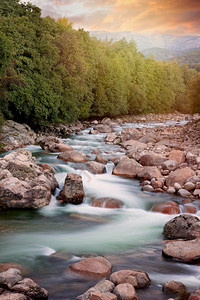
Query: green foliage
[[50, 72], [194, 94]]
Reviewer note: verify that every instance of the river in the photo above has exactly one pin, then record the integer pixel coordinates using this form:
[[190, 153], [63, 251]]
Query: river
[[50, 239]]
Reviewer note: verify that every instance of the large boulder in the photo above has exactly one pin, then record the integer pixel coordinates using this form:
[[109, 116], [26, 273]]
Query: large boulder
[[95, 267], [103, 128], [14, 135], [136, 278], [31, 289], [179, 176], [135, 146], [125, 291], [107, 203], [73, 156], [54, 144], [180, 227], [23, 183], [152, 159], [183, 251], [10, 277], [169, 208], [177, 155], [72, 191], [148, 173], [127, 167], [96, 167], [173, 287]]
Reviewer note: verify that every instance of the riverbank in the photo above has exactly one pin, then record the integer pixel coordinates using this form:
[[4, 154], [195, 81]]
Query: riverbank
[[50, 240]]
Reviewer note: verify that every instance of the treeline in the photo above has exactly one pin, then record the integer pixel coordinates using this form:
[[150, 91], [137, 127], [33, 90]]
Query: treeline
[[50, 72]]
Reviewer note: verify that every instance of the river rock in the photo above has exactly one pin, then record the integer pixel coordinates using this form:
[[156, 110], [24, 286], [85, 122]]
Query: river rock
[[101, 291], [23, 183], [102, 296], [170, 165], [147, 188], [184, 193], [183, 251], [31, 289], [136, 278], [14, 135], [107, 203], [9, 265], [125, 291], [152, 159], [49, 142], [95, 167], [72, 191], [189, 209], [177, 155], [13, 296], [103, 128], [195, 295], [147, 139], [179, 176], [100, 159], [178, 227], [173, 287], [95, 267], [110, 138], [130, 134], [147, 173], [171, 190], [73, 156], [134, 146], [10, 277], [60, 148], [127, 167], [189, 186], [169, 208]]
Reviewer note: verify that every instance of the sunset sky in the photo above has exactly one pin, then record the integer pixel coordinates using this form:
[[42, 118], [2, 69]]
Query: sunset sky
[[157, 16]]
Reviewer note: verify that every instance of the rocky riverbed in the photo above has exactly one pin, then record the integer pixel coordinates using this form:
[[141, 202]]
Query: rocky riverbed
[[165, 160]]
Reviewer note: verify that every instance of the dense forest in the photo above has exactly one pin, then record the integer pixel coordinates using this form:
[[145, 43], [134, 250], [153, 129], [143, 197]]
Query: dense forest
[[50, 72]]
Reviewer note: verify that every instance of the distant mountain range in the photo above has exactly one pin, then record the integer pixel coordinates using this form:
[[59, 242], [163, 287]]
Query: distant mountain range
[[185, 48]]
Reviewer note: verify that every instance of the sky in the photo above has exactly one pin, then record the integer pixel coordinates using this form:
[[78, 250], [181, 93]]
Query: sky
[[179, 17]]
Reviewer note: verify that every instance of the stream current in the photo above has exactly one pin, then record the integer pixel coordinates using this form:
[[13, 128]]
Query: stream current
[[49, 240]]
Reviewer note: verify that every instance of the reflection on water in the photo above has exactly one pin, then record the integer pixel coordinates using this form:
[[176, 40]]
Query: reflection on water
[[50, 239]]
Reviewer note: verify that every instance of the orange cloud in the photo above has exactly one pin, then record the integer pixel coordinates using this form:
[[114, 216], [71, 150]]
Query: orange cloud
[[163, 16]]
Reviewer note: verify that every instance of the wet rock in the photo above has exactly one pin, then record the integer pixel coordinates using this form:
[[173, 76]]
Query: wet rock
[[101, 159], [49, 142], [152, 159], [183, 251], [96, 167], [24, 184], [147, 173], [189, 186], [136, 278], [60, 148], [169, 208], [184, 193], [170, 165], [5, 266], [95, 267], [92, 131], [189, 209], [147, 188], [72, 191], [171, 190], [177, 155], [10, 277], [134, 146], [195, 295], [103, 128], [110, 138], [95, 151], [127, 167], [14, 135], [102, 296], [178, 227], [179, 176], [13, 296], [31, 289], [107, 203], [73, 156], [173, 287], [102, 290], [125, 291]]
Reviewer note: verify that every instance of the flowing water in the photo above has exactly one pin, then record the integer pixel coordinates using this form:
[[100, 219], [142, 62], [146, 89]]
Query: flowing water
[[47, 241]]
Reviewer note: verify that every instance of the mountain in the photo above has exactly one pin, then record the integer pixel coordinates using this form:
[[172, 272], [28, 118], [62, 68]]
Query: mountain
[[146, 41], [162, 53], [192, 57]]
